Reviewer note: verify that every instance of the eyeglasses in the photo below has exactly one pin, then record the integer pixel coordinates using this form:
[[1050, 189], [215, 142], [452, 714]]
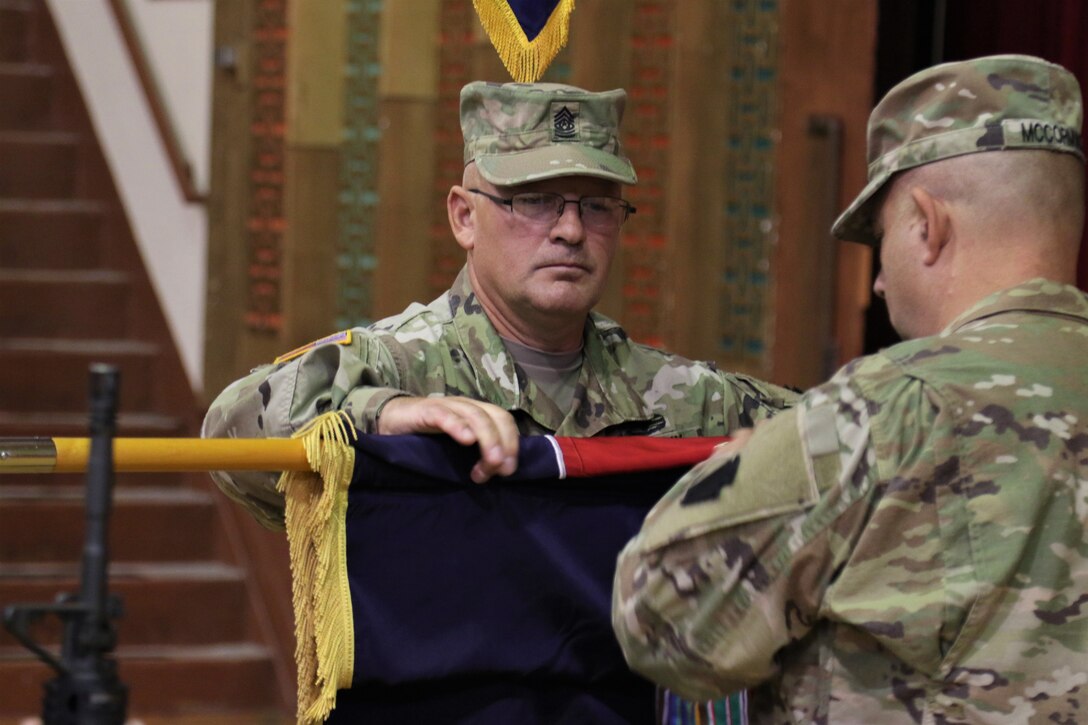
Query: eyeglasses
[[600, 213]]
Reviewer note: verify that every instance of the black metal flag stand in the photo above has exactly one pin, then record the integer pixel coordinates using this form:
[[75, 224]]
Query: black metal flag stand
[[87, 689]]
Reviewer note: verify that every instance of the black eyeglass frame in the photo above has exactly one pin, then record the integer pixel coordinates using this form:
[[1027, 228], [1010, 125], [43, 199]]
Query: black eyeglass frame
[[628, 208]]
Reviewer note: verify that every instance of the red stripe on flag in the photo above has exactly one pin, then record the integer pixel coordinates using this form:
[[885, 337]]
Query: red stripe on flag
[[584, 457]]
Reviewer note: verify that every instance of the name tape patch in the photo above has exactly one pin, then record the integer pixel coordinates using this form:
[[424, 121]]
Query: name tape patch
[[1049, 133]]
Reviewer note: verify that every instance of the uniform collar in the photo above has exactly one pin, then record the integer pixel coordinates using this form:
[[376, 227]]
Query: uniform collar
[[605, 395], [1035, 295]]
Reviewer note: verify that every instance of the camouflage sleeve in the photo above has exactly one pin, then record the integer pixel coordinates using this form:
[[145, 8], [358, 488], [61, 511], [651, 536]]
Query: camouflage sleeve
[[732, 563], [277, 400], [754, 400]]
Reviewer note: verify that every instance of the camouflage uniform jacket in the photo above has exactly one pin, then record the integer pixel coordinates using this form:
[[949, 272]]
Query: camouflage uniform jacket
[[450, 348], [908, 544]]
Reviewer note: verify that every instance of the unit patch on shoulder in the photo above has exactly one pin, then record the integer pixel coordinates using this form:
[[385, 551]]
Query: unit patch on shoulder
[[766, 478], [339, 338]]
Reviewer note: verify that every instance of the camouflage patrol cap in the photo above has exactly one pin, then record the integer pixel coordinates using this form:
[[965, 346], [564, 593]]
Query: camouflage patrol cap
[[521, 132], [995, 103]]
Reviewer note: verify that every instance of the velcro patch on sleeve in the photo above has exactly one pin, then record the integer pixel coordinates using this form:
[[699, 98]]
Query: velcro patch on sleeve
[[820, 437], [710, 486], [339, 338], [767, 478]]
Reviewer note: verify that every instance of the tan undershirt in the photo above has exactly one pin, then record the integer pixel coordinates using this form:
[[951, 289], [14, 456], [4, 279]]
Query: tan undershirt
[[555, 373]]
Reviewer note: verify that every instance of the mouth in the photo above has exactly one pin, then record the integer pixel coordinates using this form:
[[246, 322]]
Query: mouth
[[561, 266]]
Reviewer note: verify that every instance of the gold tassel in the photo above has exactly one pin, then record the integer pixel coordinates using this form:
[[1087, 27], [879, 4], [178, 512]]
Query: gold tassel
[[316, 505], [525, 60]]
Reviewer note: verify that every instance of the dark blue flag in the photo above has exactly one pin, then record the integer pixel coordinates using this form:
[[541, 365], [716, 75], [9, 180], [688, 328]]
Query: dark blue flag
[[527, 34], [490, 603]]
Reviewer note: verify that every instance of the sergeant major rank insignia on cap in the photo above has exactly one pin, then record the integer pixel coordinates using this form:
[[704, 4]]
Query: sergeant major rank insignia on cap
[[564, 121]]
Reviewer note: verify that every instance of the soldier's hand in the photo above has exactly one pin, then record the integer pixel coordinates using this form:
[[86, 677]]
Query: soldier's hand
[[465, 420]]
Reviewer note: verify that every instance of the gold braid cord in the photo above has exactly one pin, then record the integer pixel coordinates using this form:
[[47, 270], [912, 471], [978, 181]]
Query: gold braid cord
[[525, 59], [316, 505]]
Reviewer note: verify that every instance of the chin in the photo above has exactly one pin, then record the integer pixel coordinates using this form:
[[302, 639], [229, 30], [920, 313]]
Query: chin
[[565, 304], [905, 332], [566, 308]]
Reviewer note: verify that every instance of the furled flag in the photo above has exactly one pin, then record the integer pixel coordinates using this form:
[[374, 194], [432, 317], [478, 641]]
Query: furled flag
[[423, 597], [527, 34]]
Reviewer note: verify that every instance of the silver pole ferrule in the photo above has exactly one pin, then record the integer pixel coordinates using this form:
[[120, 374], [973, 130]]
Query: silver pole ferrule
[[27, 455]]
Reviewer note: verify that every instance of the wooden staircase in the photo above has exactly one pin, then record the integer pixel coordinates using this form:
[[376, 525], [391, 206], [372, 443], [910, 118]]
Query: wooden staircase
[[193, 641]]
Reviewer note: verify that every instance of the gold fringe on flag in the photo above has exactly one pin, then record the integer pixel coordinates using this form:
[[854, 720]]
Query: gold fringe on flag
[[525, 60], [316, 505]]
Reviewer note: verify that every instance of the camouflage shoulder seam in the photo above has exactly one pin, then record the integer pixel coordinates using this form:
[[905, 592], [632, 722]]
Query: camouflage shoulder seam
[[388, 345]]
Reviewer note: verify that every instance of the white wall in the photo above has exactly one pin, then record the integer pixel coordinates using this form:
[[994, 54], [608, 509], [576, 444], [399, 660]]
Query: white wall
[[177, 38], [171, 232]]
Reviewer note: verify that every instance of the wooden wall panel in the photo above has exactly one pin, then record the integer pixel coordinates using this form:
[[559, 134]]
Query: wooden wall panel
[[315, 72], [226, 351], [408, 90], [827, 70], [313, 136], [696, 181], [310, 274], [599, 47], [406, 179], [409, 50]]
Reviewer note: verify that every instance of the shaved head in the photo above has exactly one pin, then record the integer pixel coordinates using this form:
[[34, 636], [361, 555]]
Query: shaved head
[[956, 230], [1011, 197]]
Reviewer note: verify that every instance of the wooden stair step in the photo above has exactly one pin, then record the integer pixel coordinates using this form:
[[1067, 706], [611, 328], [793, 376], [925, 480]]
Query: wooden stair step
[[188, 603], [39, 303], [163, 680], [25, 95], [38, 164], [72, 424], [146, 524], [77, 480], [14, 30], [59, 234], [50, 375]]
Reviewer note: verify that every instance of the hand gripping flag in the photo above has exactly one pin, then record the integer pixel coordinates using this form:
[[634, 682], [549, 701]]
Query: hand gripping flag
[[420, 596], [527, 34]]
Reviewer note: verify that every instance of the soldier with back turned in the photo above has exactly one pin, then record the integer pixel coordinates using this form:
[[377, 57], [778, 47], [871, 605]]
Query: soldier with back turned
[[909, 543]]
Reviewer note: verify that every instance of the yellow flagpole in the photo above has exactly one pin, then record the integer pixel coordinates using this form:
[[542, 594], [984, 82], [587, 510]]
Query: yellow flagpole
[[155, 455], [317, 465]]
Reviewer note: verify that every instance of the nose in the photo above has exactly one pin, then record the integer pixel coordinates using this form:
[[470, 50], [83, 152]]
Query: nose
[[878, 285], [568, 228]]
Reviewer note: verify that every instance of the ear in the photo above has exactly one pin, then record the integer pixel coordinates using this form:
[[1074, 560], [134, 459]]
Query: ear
[[936, 224], [462, 215]]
